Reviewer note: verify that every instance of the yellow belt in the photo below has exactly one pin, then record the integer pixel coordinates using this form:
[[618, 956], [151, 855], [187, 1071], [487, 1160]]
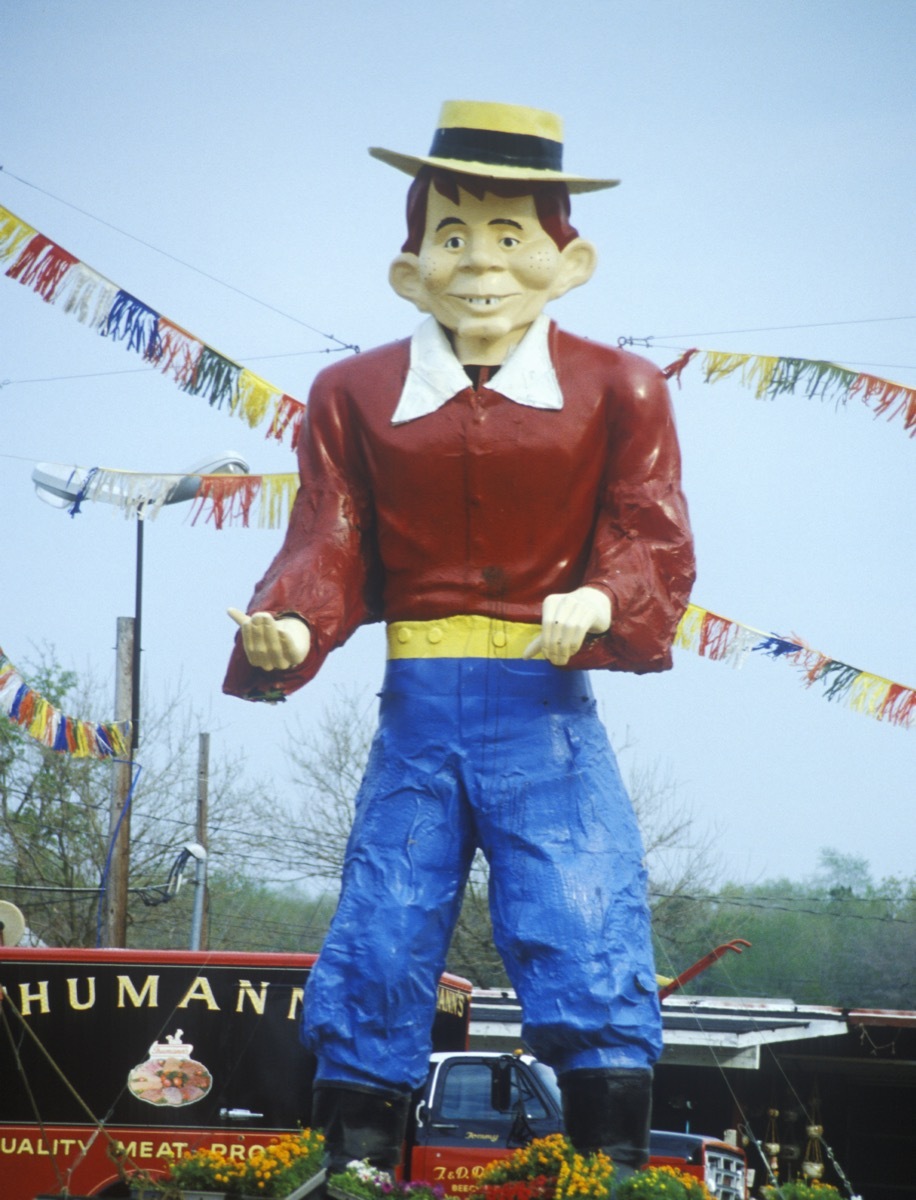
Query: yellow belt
[[467, 636]]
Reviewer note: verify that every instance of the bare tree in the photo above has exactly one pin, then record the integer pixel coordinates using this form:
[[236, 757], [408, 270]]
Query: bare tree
[[681, 859], [327, 766], [54, 812]]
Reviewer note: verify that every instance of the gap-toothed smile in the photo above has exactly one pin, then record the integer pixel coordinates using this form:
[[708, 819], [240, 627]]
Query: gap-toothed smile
[[481, 301]]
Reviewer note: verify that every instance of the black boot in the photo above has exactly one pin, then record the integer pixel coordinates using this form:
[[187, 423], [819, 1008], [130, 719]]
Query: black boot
[[360, 1123], [609, 1110]]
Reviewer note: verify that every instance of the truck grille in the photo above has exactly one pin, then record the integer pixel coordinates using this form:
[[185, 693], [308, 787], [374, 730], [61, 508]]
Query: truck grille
[[724, 1175]]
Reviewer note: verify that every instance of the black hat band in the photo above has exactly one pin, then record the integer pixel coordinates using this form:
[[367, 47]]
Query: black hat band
[[498, 149]]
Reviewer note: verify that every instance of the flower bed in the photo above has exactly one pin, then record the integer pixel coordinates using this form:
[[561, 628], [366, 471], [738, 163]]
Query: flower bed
[[364, 1182], [550, 1169], [802, 1190], [656, 1183], [547, 1169], [289, 1167]]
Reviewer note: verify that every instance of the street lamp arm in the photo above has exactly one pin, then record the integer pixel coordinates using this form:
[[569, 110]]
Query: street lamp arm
[[139, 493]]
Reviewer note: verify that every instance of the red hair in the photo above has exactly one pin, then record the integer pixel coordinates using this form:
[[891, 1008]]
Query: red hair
[[551, 201]]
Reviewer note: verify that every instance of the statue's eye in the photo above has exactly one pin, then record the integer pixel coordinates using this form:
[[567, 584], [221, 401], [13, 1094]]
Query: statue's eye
[[454, 242], [508, 242]]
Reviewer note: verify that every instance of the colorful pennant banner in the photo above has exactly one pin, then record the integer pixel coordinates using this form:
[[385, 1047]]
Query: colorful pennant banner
[[723, 640], [228, 499], [46, 724], [771, 377], [59, 278], [222, 499]]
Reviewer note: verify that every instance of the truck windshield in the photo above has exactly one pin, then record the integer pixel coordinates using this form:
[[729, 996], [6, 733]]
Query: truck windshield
[[548, 1081]]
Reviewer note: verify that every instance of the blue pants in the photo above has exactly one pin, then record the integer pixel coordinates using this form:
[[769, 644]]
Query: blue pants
[[509, 756]]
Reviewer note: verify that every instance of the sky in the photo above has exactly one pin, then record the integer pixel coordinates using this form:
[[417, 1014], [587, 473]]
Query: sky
[[766, 154]]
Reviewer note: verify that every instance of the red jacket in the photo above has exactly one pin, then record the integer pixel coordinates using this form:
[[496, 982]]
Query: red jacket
[[484, 506]]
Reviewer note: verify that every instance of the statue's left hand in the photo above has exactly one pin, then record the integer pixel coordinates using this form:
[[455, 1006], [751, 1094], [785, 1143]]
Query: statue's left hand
[[273, 644], [566, 619]]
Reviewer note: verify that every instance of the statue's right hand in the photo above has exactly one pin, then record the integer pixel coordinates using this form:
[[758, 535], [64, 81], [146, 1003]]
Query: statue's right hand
[[273, 643]]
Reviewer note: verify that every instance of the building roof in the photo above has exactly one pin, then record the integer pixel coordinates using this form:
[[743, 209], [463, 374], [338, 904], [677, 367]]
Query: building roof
[[706, 1030]]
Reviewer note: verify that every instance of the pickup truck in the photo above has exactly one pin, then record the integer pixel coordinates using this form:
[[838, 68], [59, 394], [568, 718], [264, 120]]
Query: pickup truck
[[150, 1053], [477, 1107]]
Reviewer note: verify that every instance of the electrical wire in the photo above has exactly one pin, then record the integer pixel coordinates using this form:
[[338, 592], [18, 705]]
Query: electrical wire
[[154, 370], [125, 809], [33, 1103], [649, 343], [351, 346], [303, 874], [768, 906], [775, 328], [794, 1093], [739, 1108], [182, 262], [682, 348], [98, 1123]]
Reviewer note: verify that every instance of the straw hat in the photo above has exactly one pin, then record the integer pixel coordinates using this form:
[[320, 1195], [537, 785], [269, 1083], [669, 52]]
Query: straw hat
[[499, 141]]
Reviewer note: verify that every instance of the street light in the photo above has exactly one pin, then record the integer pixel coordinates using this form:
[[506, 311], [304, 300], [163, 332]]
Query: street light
[[63, 487]]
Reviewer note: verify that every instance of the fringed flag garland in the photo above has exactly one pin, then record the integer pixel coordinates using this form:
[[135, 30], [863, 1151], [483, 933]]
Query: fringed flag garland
[[771, 377], [47, 725], [723, 640], [228, 499], [61, 279], [222, 499]]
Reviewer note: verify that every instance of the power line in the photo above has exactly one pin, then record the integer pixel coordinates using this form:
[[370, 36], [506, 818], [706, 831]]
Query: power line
[[768, 905], [350, 346], [744, 903], [152, 369], [181, 262], [775, 328], [649, 344]]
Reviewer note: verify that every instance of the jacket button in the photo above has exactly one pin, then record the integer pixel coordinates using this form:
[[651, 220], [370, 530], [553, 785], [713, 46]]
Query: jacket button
[[499, 638], [404, 636], [435, 635]]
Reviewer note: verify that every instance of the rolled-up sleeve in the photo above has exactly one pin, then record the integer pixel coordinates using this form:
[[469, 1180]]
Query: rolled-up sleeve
[[642, 552], [327, 571]]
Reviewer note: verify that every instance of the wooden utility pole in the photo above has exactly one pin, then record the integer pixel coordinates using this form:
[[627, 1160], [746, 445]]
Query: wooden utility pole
[[115, 925], [201, 906]]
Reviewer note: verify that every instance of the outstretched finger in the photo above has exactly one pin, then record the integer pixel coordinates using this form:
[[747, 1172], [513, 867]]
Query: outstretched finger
[[238, 616], [534, 647]]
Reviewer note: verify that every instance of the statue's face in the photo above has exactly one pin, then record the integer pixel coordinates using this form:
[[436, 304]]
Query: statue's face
[[485, 270]]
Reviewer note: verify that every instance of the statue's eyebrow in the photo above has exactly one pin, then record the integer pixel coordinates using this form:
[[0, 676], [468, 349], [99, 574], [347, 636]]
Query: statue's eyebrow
[[496, 221]]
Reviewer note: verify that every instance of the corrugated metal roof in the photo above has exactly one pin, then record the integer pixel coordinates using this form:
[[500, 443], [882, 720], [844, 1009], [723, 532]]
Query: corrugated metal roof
[[729, 1031]]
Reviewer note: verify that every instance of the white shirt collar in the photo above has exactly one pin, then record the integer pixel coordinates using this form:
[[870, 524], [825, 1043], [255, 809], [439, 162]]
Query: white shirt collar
[[435, 374]]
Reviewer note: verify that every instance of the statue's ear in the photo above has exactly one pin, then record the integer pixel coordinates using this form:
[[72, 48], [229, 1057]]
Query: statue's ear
[[578, 260], [404, 277]]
